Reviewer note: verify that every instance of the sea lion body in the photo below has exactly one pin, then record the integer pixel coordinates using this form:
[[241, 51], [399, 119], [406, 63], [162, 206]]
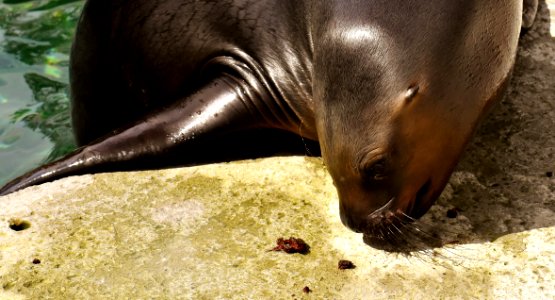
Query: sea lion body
[[136, 56], [391, 89]]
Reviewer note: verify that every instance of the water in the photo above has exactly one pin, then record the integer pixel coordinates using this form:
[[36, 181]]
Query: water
[[35, 38]]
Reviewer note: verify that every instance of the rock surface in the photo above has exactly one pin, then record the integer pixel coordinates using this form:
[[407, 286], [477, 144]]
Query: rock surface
[[205, 232]]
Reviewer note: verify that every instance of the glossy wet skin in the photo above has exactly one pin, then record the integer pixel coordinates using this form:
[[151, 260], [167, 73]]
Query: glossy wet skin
[[391, 89], [402, 99]]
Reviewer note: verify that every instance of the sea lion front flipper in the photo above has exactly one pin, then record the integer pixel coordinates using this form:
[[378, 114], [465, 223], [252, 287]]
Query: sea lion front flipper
[[224, 105], [529, 10]]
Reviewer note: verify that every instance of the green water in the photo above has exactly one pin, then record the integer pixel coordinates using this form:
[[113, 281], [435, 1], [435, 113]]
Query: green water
[[35, 39]]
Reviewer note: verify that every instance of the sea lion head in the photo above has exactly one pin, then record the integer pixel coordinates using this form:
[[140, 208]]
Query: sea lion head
[[392, 124]]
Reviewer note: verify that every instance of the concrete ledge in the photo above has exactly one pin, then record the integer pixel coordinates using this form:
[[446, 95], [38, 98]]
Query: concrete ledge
[[204, 233]]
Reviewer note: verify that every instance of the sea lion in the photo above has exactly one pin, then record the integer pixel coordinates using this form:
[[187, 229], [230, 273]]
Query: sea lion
[[392, 90]]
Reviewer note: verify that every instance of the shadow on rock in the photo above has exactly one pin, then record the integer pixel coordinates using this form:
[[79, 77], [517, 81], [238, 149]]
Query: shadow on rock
[[505, 182]]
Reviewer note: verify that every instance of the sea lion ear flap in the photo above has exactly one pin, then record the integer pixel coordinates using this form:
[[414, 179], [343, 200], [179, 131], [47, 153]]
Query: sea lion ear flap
[[411, 92], [529, 10]]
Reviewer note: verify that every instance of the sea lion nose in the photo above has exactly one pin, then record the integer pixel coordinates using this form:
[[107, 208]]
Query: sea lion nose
[[368, 207], [363, 213], [350, 221]]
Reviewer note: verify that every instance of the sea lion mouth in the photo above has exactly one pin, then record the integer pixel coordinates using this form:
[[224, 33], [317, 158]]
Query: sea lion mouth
[[412, 209], [418, 207], [391, 229]]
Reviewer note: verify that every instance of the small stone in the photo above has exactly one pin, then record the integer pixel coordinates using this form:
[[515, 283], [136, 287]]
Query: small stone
[[344, 264]]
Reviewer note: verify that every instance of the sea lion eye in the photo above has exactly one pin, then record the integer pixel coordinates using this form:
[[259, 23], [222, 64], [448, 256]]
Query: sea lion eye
[[375, 170]]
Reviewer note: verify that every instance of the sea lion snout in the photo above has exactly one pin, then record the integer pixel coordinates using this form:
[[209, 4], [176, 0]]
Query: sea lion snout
[[385, 213], [375, 206]]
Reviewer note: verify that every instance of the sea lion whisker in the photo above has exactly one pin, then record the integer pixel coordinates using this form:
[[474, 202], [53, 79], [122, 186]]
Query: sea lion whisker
[[409, 239], [430, 254], [427, 256], [392, 234], [407, 216], [423, 234], [380, 211], [417, 225], [426, 234], [453, 258], [423, 222], [440, 227], [427, 238], [396, 239]]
